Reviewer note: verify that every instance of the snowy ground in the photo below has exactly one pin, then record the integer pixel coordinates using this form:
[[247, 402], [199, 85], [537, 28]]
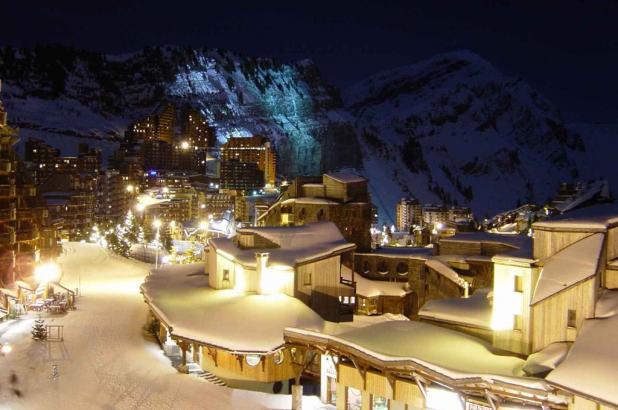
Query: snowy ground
[[105, 362]]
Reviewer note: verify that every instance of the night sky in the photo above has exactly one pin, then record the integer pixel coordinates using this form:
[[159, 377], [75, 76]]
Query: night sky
[[566, 49]]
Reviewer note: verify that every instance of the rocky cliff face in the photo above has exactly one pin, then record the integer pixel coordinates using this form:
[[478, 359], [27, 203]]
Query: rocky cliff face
[[453, 129], [57, 93]]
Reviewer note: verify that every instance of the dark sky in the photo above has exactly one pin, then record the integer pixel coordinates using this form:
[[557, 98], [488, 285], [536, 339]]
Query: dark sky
[[567, 49]]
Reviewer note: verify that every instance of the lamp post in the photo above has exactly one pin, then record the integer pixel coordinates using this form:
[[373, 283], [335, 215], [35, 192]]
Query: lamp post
[[157, 224], [46, 273]]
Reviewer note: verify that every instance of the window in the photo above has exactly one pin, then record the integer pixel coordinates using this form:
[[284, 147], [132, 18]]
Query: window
[[307, 278], [518, 322], [402, 268], [366, 266], [379, 403], [226, 275], [278, 357], [253, 360], [572, 318], [353, 399], [518, 285]]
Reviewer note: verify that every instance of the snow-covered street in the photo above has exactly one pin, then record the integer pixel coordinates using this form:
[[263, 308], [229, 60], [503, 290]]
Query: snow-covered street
[[105, 361]]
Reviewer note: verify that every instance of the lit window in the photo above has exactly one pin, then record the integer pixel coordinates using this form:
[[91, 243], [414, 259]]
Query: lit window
[[307, 281], [278, 357], [253, 359], [379, 403]]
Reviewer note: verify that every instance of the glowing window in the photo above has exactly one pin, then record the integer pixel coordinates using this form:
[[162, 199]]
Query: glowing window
[[278, 357], [253, 360]]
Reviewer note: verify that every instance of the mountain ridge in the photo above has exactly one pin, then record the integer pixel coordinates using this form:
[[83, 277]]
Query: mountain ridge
[[450, 128]]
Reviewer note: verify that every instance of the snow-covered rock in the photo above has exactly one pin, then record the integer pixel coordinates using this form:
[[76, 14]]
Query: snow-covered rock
[[454, 129], [59, 94]]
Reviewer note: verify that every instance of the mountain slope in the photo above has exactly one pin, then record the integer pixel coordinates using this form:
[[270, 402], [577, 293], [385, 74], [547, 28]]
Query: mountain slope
[[59, 93], [454, 129]]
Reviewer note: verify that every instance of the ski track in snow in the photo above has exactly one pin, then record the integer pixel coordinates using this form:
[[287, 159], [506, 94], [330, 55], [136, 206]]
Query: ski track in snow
[[105, 362]]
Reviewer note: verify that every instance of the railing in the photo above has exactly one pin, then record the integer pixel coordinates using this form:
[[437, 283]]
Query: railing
[[7, 238], [7, 190], [26, 235]]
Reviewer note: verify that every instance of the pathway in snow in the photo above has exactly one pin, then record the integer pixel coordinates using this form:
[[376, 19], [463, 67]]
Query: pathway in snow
[[105, 362]]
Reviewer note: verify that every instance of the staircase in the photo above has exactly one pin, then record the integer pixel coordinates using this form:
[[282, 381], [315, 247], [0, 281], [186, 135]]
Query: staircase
[[210, 378], [196, 370]]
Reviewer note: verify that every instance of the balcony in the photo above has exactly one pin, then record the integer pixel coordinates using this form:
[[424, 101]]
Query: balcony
[[7, 238], [26, 235], [9, 214], [6, 166], [7, 190]]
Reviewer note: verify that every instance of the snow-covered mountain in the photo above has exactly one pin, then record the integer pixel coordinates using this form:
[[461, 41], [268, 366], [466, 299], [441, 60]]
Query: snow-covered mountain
[[451, 128], [60, 94], [455, 129]]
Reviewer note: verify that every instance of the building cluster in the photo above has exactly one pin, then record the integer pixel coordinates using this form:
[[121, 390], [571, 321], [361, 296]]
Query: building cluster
[[27, 233], [69, 185], [341, 198], [410, 214], [479, 321]]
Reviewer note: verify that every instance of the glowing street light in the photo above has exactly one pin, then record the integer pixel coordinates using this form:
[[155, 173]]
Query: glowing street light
[[48, 272], [6, 349], [130, 188], [140, 207], [203, 225], [184, 145]]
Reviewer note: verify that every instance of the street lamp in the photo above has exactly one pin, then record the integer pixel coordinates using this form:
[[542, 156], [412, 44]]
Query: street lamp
[[157, 224], [6, 349], [46, 273], [130, 188]]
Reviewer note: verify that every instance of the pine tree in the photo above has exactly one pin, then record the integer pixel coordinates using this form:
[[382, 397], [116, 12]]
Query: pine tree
[[39, 330]]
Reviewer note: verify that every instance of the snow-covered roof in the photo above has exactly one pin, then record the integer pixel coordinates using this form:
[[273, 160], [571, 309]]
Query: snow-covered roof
[[571, 265], [401, 252], [516, 241], [590, 367], [234, 321], [345, 177], [370, 288], [445, 270], [241, 322], [590, 219], [445, 351], [309, 200], [296, 244], [474, 311]]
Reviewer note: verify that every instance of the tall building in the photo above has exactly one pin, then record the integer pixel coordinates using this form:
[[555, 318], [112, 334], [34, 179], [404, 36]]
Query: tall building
[[157, 126], [241, 176], [408, 214], [25, 228], [253, 150]]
